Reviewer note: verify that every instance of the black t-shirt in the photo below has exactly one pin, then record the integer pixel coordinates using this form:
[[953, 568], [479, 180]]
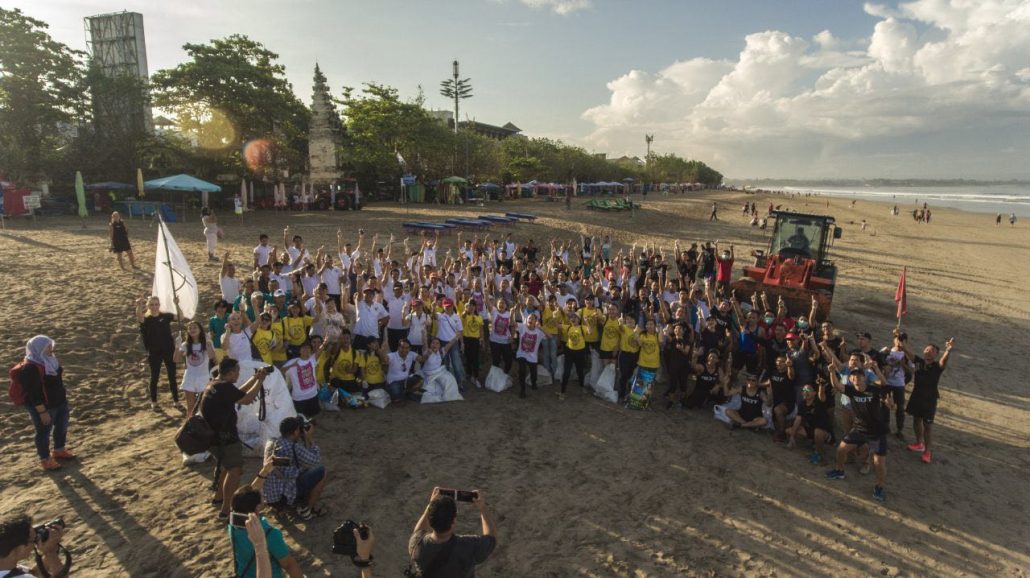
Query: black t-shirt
[[750, 405], [723, 320], [927, 376], [867, 406], [815, 415], [157, 333], [713, 340], [219, 409], [678, 361], [467, 552], [529, 252], [708, 262], [782, 387]]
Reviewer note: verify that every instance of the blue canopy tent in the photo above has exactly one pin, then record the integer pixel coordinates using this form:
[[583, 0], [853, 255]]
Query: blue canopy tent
[[183, 183]]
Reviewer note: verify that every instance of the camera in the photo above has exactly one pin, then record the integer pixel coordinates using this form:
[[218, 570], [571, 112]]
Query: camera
[[280, 462], [343, 538], [460, 495], [267, 370], [43, 530]]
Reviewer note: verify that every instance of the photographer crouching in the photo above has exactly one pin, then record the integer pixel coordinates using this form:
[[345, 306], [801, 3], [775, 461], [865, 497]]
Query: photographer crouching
[[19, 538], [299, 475]]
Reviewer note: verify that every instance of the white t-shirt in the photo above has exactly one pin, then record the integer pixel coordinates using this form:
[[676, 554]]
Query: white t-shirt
[[395, 306], [448, 327], [399, 368], [237, 345], [563, 299], [429, 256], [367, 324], [230, 288], [197, 373], [295, 253], [301, 373], [500, 327], [529, 343], [309, 283], [331, 278], [432, 362], [417, 328], [284, 283], [262, 252]]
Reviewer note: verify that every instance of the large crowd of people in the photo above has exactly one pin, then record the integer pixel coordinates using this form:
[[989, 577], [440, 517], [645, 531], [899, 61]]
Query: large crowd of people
[[378, 317]]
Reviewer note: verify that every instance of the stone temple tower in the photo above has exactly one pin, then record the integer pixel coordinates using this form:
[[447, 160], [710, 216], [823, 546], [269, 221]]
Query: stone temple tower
[[324, 135]]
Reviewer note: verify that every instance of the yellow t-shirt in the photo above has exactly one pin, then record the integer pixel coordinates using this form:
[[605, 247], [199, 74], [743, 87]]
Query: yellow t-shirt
[[472, 326], [320, 363], [626, 342], [611, 334], [574, 337], [649, 352], [345, 366], [297, 329], [279, 352], [552, 321], [372, 368], [263, 343], [589, 315]]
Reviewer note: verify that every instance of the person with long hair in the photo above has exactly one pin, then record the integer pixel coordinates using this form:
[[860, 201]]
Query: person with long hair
[[120, 240], [156, 329], [46, 400], [197, 352], [212, 232]]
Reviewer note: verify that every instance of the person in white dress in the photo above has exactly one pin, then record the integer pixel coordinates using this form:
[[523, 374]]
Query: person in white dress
[[197, 352], [212, 232]]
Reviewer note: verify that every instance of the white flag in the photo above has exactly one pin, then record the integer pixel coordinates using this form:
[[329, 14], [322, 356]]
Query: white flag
[[400, 159], [173, 277]]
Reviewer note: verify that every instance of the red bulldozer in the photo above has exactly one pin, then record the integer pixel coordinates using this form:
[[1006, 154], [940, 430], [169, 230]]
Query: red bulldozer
[[796, 266]]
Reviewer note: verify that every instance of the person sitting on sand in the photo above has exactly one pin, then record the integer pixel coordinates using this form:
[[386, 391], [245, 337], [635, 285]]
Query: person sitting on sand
[[753, 403], [247, 501], [812, 421], [298, 482]]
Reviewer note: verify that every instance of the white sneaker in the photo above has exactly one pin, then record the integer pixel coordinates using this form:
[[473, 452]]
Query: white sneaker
[[478, 383]]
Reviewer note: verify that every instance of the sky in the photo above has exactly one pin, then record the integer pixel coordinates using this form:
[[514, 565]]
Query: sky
[[777, 89]]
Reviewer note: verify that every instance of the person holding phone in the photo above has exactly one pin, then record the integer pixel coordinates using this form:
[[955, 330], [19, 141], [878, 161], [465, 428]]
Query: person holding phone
[[258, 558], [434, 547]]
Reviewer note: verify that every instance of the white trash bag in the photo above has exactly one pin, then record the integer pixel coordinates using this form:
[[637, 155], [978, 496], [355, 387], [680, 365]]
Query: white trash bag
[[595, 368], [379, 398], [720, 410], [604, 388], [559, 368], [543, 377], [497, 380], [255, 432], [440, 386]]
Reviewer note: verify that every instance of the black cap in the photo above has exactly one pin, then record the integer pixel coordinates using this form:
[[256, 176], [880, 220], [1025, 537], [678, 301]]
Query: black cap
[[865, 334]]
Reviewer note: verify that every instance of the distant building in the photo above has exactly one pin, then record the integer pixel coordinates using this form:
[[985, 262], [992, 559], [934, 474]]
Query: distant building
[[625, 160], [118, 48], [487, 130], [325, 135]]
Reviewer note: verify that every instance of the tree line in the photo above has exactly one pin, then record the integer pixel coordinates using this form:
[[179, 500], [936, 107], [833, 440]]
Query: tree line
[[234, 112]]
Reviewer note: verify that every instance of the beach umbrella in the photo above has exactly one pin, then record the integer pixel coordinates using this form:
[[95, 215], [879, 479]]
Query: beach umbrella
[[139, 183], [80, 194]]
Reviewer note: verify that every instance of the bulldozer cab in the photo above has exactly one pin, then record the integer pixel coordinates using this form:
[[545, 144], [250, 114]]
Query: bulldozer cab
[[797, 235]]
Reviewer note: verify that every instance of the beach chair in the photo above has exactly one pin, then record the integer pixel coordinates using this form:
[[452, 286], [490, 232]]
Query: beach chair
[[499, 220], [521, 216]]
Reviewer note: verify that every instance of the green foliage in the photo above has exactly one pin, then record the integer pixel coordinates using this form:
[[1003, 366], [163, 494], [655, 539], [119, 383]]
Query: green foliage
[[231, 91], [41, 94]]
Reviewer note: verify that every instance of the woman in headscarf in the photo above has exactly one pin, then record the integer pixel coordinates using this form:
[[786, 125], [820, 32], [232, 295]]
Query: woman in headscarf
[[46, 400]]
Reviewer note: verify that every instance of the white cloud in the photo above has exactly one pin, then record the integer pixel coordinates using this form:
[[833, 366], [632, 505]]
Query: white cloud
[[930, 70], [562, 7]]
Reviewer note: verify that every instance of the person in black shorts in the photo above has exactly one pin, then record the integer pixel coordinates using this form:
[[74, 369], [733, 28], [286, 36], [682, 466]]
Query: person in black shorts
[[753, 400], [812, 421], [780, 383], [922, 404], [870, 404]]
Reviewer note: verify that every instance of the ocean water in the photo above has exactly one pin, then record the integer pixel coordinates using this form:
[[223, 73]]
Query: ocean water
[[992, 199]]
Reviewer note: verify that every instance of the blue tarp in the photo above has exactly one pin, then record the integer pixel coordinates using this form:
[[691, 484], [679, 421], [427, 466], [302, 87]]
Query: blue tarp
[[110, 186]]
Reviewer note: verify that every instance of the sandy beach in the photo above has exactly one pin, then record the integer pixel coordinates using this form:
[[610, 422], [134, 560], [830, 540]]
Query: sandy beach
[[580, 488]]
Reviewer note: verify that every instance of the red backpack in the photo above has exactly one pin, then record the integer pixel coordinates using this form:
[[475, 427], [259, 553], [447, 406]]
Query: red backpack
[[17, 389]]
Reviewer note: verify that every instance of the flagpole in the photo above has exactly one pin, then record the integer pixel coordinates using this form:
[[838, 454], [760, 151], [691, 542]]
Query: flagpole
[[171, 271]]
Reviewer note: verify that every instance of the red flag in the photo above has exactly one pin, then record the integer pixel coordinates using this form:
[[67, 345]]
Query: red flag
[[900, 296]]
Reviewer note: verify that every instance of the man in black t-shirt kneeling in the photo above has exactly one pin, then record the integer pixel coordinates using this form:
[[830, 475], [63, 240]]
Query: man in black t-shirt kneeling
[[218, 407]]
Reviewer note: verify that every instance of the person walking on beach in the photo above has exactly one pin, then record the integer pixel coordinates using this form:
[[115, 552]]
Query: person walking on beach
[[43, 395], [715, 213], [120, 240], [997, 221], [212, 232], [156, 329], [1012, 220]]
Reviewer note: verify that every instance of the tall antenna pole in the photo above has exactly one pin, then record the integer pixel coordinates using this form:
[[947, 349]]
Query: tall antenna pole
[[455, 67]]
